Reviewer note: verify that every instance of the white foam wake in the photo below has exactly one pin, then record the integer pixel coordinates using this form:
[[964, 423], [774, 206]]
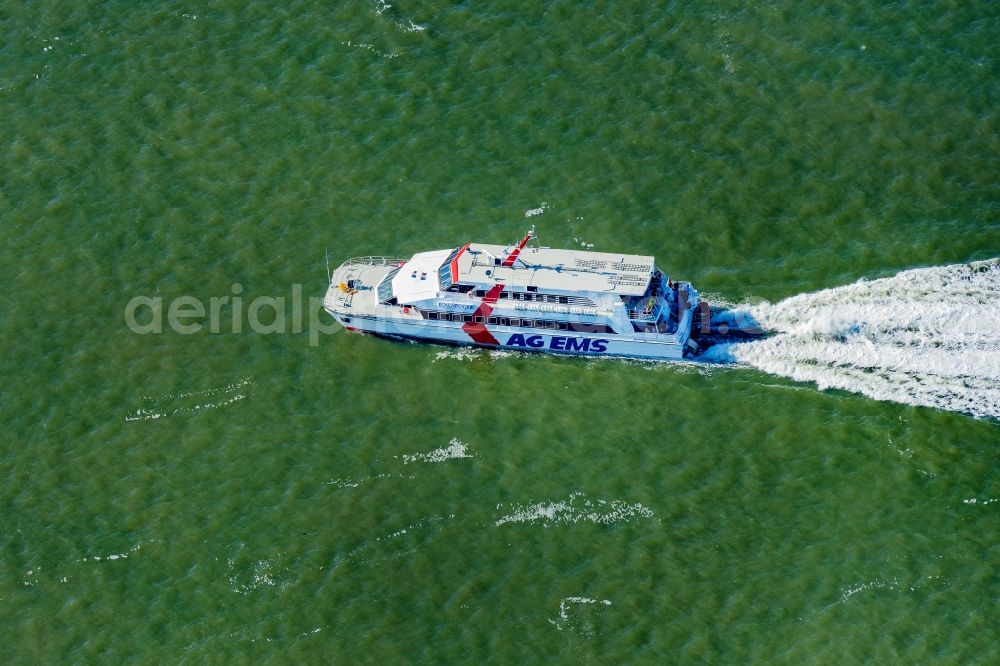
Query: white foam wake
[[455, 449], [570, 616], [577, 508], [927, 336], [192, 402]]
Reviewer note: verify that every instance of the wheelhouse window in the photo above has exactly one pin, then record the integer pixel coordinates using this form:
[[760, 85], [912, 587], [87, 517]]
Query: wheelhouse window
[[444, 272], [385, 286]]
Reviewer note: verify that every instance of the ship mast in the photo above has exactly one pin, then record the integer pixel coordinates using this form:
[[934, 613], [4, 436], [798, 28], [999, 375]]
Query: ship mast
[[512, 257]]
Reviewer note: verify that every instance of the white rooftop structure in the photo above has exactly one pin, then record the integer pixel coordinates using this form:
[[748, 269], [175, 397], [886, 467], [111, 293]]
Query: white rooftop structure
[[418, 278]]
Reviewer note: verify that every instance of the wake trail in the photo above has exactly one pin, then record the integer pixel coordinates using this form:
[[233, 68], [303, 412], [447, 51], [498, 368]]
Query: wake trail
[[927, 336]]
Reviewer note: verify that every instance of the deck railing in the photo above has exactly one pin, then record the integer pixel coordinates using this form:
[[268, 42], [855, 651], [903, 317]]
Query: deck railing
[[373, 261], [644, 315]]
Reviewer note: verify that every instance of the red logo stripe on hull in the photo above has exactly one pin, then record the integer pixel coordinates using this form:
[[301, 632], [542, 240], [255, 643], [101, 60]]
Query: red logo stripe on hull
[[477, 330]]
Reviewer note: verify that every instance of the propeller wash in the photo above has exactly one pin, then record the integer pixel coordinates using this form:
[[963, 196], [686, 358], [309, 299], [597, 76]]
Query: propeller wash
[[927, 337]]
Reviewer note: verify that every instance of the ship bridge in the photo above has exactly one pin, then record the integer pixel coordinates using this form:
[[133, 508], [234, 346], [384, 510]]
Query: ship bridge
[[418, 278]]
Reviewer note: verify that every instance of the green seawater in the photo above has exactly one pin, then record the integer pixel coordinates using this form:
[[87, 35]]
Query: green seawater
[[233, 497]]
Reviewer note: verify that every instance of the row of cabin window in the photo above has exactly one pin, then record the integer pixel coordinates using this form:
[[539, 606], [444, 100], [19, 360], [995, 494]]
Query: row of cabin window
[[579, 326], [514, 295], [522, 296]]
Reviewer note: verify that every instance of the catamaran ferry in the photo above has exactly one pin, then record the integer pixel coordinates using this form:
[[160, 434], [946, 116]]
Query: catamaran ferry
[[523, 298]]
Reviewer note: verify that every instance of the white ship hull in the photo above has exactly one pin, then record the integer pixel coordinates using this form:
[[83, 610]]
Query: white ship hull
[[517, 339], [524, 299]]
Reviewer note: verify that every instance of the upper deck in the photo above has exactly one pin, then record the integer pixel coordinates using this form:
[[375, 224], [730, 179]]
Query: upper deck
[[554, 270]]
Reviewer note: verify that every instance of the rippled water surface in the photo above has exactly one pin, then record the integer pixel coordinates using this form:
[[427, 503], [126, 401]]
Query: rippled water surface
[[826, 495]]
